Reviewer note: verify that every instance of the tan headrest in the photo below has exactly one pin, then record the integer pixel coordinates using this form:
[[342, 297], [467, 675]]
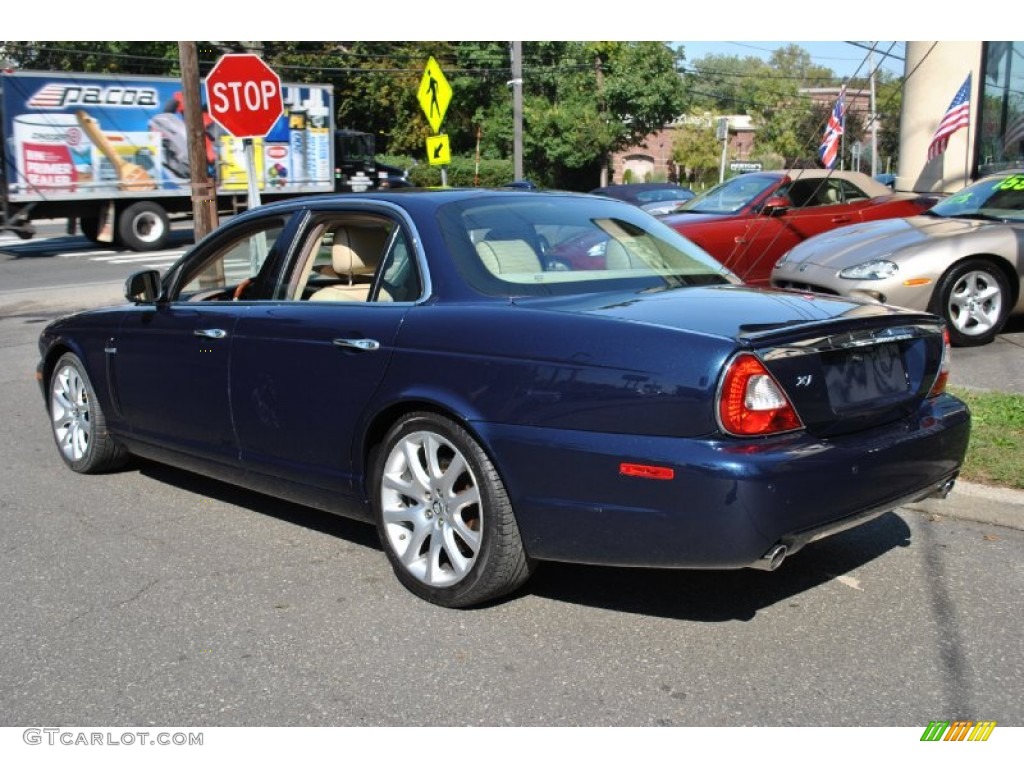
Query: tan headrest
[[501, 256], [357, 250]]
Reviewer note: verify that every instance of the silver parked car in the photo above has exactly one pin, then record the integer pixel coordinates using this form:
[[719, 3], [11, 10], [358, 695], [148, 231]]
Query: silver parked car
[[963, 259]]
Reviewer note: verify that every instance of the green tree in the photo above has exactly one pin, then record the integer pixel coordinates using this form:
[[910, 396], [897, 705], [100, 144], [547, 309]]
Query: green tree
[[889, 105], [110, 57], [582, 102], [698, 154]]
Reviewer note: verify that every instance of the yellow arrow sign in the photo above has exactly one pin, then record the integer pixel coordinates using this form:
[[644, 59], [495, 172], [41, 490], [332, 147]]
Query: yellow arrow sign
[[439, 152], [434, 94]]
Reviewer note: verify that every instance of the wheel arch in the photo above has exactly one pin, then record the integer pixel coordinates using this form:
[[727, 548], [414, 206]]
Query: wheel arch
[[55, 353], [382, 422]]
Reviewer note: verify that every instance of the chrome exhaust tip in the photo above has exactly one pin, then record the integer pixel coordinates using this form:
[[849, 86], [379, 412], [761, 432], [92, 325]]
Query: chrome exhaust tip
[[943, 490], [771, 559]]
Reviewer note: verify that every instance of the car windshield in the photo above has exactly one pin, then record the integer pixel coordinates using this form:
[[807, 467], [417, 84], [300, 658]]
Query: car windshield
[[562, 245], [729, 196], [1000, 198]]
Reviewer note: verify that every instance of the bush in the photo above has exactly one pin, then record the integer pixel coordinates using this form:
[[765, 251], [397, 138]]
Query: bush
[[462, 172]]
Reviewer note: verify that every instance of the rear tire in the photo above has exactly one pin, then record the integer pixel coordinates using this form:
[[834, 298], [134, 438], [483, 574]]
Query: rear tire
[[143, 226], [443, 516], [77, 421], [90, 226], [974, 299]]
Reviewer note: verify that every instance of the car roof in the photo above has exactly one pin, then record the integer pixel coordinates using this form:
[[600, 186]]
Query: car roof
[[411, 198], [862, 180], [611, 189]]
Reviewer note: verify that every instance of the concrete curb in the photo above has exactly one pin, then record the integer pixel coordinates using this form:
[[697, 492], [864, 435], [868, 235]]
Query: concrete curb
[[981, 503]]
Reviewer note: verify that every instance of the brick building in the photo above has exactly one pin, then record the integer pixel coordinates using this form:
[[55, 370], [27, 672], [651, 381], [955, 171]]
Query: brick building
[[652, 160]]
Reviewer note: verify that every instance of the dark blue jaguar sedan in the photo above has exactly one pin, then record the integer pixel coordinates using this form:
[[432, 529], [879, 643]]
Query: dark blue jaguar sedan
[[417, 360]]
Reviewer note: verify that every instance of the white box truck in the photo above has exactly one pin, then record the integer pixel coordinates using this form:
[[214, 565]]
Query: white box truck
[[110, 152]]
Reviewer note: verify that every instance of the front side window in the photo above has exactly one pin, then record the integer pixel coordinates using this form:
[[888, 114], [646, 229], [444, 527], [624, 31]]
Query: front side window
[[233, 270]]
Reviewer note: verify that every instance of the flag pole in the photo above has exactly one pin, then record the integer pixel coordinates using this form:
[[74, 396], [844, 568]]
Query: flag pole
[[842, 127], [967, 151]]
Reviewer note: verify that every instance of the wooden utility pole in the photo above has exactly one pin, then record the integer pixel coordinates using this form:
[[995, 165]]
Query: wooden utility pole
[[204, 194], [517, 109]]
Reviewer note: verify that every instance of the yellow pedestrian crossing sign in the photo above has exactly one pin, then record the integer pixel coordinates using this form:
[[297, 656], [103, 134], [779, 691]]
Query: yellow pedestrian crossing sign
[[439, 152], [434, 94]]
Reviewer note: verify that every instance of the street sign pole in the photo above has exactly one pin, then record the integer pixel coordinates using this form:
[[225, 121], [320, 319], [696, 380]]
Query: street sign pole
[[259, 254]]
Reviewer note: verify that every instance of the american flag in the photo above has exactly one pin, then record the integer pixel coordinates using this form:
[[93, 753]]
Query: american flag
[[957, 116], [829, 149]]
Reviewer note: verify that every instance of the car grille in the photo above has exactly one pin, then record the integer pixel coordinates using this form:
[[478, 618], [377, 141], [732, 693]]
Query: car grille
[[794, 285]]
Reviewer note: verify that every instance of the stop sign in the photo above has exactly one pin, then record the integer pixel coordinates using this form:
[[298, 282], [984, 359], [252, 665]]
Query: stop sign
[[243, 95]]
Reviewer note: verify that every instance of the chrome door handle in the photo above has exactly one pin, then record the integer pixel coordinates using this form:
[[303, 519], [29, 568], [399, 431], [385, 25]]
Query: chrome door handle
[[364, 345], [210, 333]]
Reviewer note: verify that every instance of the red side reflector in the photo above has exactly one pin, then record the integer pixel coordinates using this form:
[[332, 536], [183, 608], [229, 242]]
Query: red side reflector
[[646, 471]]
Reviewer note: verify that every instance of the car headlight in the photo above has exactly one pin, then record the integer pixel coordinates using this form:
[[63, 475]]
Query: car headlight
[[876, 269]]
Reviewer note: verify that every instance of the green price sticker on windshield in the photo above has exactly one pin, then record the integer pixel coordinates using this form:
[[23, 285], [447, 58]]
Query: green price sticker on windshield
[[1013, 182]]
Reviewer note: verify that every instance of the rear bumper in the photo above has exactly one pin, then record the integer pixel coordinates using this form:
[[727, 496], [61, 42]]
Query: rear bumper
[[729, 503]]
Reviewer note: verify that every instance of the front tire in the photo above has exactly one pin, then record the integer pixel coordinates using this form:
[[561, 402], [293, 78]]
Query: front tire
[[974, 299], [77, 421], [443, 515]]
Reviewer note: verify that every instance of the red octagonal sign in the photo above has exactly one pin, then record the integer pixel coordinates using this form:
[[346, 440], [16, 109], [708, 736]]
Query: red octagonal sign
[[243, 95]]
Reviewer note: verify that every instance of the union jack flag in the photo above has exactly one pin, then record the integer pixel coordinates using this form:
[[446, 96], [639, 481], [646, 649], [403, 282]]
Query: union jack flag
[[957, 116], [829, 149]]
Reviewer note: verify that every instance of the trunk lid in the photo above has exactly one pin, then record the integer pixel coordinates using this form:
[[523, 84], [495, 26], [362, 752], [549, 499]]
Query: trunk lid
[[845, 365], [850, 379]]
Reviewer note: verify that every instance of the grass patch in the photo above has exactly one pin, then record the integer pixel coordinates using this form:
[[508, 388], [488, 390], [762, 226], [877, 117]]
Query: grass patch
[[995, 455]]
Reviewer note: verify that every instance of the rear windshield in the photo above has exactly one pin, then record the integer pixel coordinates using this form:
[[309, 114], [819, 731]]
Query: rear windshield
[[524, 245]]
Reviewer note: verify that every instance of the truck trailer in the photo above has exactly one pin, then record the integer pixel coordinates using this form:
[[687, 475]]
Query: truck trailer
[[110, 152]]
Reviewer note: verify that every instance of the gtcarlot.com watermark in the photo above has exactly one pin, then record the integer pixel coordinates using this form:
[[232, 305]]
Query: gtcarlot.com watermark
[[71, 737]]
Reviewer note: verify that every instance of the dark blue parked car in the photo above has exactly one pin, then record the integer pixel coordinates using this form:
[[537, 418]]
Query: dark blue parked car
[[408, 359]]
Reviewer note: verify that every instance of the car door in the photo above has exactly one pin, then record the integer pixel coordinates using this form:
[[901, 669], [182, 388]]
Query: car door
[[171, 360], [818, 205], [304, 368]]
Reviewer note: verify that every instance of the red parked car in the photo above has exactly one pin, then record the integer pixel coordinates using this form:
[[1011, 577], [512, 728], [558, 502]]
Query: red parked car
[[749, 222]]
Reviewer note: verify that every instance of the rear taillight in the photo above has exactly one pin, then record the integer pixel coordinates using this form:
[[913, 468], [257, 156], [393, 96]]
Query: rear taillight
[[751, 402], [943, 378]]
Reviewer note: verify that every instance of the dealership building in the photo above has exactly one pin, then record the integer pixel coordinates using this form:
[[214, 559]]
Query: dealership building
[[993, 138]]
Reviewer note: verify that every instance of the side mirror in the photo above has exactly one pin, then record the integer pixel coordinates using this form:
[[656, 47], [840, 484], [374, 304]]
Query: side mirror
[[143, 287], [776, 204]]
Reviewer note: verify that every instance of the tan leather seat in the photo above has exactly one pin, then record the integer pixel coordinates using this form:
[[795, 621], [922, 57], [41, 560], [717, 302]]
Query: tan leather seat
[[505, 252], [355, 254]]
